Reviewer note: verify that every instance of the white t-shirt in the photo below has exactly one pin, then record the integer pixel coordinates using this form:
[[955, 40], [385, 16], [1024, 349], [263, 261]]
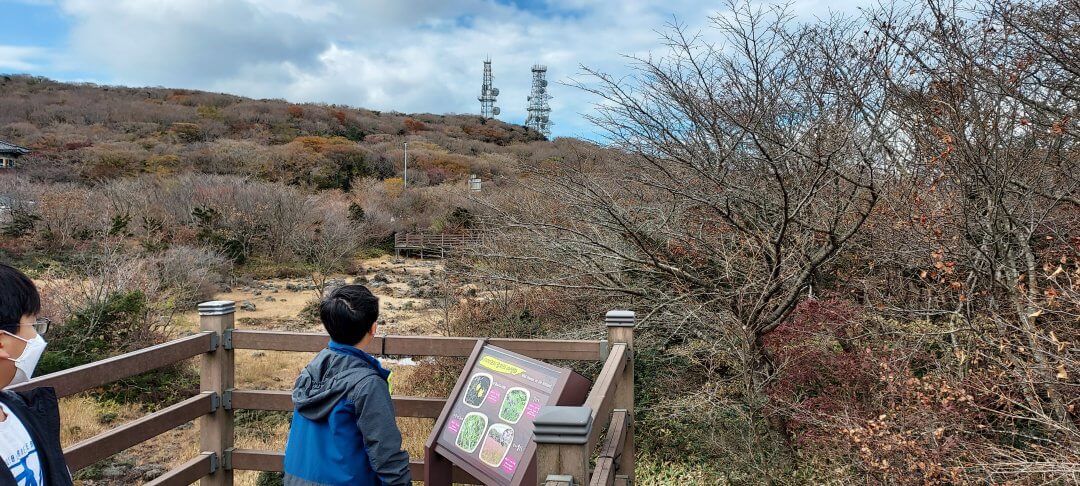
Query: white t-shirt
[[17, 450]]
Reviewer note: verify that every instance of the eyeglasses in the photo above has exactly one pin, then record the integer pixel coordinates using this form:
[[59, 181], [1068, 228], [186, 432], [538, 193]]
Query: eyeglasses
[[41, 325]]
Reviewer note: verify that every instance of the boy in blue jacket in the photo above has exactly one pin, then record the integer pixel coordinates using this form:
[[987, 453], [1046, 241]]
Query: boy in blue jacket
[[343, 429]]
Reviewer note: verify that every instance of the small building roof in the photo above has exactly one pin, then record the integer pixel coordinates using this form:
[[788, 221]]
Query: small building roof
[[10, 148]]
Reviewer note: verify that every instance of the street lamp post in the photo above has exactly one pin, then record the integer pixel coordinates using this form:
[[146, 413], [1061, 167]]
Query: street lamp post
[[406, 184]]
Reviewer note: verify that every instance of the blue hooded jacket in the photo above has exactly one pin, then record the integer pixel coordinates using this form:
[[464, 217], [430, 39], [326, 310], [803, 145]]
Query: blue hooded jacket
[[343, 429]]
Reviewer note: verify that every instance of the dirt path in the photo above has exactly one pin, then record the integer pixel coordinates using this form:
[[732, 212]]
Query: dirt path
[[401, 285]]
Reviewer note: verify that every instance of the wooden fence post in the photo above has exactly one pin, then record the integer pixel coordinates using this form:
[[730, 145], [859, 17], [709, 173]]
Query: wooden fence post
[[561, 435], [620, 324], [217, 375]]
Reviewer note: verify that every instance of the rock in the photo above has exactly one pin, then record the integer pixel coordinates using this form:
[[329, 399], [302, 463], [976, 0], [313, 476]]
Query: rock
[[380, 278], [112, 472], [291, 287], [246, 289], [258, 292], [153, 473], [247, 305], [270, 298], [258, 354], [283, 300]]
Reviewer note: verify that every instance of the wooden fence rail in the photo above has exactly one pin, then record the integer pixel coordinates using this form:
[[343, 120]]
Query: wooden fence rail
[[610, 400]]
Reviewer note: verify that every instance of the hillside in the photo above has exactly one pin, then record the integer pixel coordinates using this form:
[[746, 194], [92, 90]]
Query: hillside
[[852, 245], [84, 132]]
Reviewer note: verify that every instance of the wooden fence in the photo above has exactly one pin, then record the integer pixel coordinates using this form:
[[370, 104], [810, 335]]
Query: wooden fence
[[434, 243], [610, 400]]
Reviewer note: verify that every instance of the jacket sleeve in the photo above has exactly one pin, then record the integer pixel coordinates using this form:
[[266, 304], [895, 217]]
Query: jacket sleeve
[[382, 439]]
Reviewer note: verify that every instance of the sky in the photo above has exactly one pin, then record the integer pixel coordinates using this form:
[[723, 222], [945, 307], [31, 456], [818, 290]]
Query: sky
[[412, 56]]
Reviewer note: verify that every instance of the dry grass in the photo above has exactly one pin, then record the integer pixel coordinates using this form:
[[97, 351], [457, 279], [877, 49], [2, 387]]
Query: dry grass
[[269, 370], [85, 417]]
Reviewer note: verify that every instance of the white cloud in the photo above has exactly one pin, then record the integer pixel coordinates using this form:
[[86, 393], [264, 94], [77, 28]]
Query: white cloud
[[411, 56], [20, 59]]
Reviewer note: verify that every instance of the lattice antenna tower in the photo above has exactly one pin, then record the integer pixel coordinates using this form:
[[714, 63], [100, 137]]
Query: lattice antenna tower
[[488, 94], [539, 118]]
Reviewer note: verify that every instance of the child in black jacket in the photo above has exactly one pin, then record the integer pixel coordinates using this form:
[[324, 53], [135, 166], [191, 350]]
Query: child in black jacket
[[30, 453]]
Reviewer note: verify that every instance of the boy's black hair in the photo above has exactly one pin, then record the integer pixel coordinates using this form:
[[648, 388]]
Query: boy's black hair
[[18, 297], [348, 313]]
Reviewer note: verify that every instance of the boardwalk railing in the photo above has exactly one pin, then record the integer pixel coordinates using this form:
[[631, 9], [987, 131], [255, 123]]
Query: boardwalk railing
[[609, 402], [434, 243]]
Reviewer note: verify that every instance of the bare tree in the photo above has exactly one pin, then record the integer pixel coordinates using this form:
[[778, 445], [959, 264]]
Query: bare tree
[[746, 165], [990, 104], [329, 240]]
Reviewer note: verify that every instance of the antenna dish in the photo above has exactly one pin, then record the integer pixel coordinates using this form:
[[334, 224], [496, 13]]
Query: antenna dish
[[543, 82], [496, 111], [495, 92]]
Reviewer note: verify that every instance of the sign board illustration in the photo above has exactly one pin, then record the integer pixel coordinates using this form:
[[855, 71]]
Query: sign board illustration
[[486, 427]]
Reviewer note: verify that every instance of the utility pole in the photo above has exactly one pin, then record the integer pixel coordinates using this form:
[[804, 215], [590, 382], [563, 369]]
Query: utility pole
[[406, 165]]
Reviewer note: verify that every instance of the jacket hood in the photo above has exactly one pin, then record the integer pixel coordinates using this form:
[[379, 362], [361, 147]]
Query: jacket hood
[[330, 376]]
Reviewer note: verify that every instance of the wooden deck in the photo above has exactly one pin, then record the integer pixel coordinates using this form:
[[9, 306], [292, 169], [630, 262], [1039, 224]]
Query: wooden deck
[[434, 244]]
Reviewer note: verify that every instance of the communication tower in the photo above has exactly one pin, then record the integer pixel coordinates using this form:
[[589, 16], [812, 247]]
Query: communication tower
[[539, 118], [488, 94]]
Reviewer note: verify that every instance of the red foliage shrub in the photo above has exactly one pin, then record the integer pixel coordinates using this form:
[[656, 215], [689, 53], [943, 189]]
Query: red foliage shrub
[[339, 116], [821, 371], [78, 145], [413, 125], [437, 175], [847, 396]]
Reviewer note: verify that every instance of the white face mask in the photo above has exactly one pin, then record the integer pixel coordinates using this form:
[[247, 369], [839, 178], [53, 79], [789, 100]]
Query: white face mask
[[28, 360]]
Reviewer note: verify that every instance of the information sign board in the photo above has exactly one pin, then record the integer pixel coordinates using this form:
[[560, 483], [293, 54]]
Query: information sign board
[[486, 426]]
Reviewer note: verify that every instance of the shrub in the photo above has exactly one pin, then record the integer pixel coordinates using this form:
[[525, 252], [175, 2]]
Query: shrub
[[187, 132], [155, 389], [413, 126], [193, 274], [96, 332], [21, 223]]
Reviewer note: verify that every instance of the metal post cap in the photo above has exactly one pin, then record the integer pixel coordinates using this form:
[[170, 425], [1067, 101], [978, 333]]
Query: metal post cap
[[619, 318], [562, 425], [217, 308]]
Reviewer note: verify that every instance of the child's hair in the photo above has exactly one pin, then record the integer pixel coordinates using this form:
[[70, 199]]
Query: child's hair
[[348, 313], [18, 297]]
